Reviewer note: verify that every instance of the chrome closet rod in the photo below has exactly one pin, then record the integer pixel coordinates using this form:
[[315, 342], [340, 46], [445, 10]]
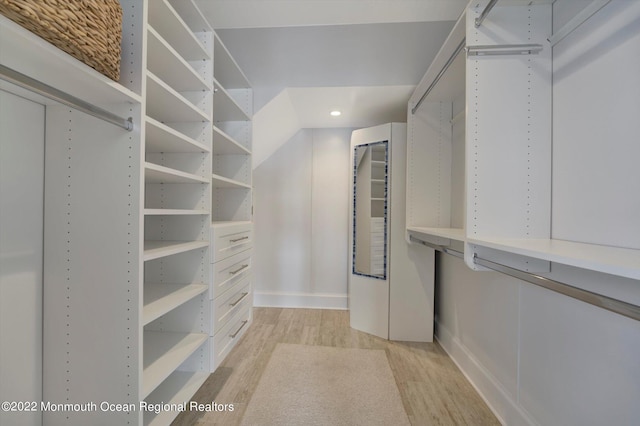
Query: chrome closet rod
[[485, 12], [444, 69], [26, 82], [577, 20], [595, 299], [438, 247]]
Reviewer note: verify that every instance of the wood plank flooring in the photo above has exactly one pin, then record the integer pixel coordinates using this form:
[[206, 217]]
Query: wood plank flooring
[[433, 390]]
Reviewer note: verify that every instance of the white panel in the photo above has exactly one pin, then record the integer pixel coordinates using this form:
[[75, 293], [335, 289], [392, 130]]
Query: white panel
[[411, 266], [481, 310], [508, 151], [282, 222], [92, 245], [21, 245], [330, 211], [579, 364], [595, 128]]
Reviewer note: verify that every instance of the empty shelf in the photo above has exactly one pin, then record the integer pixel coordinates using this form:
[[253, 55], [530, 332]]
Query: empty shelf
[[162, 298], [223, 182], [179, 387], [165, 104], [175, 212], [223, 144], [158, 249], [154, 173], [225, 108]]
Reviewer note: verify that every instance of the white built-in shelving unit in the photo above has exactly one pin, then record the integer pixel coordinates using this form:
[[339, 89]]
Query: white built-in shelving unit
[[232, 205], [179, 106], [507, 151], [127, 309]]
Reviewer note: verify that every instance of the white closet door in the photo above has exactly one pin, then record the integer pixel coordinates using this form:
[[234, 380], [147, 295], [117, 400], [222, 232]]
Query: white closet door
[[21, 239]]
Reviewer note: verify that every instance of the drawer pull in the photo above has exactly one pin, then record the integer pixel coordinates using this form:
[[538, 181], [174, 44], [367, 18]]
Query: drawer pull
[[239, 269], [238, 301], [246, 237], [233, 336]]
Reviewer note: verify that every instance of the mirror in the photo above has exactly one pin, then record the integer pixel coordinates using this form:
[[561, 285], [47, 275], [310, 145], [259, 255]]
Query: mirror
[[370, 209]]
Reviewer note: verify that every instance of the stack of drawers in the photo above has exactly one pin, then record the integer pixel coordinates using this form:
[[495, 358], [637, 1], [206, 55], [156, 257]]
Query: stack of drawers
[[377, 245], [230, 291]]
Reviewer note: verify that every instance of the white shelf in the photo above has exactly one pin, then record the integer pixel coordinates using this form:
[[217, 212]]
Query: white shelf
[[179, 387], [225, 108], [157, 249], [226, 69], [167, 105], [377, 181], [164, 18], [229, 223], [223, 182], [166, 63], [162, 138], [154, 173], [162, 298], [191, 15], [456, 234], [163, 353], [175, 212], [609, 260], [223, 144], [377, 199], [26, 53]]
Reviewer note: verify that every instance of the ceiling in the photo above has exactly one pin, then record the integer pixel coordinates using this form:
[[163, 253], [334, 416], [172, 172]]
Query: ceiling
[[303, 45]]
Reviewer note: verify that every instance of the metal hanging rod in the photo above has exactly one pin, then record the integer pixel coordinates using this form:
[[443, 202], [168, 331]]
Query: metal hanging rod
[[438, 247], [504, 49], [485, 12], [605, 302], [444, 69], [577, 20], [54, 94]]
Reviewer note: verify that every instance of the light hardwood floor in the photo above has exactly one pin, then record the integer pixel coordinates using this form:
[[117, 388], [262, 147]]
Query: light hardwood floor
[[433, 390]]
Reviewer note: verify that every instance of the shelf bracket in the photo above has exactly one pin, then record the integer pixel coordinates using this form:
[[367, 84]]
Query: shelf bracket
[[614, 305], [438, 247], [478, 21], [577, 20], [504, 49], [35, 86]]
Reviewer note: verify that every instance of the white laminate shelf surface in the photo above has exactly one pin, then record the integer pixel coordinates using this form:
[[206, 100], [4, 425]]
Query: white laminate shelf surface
[[165, 104], [179, 387], [223, 144], [157, 249], [191, 15], [167, 64], [229, 223], [163, 353], [175, 212], [167, 21], [162, 298], [226, 69], [619, 261], [225, 108], [162, 138], [218, 181], [449, 233], [24, 52], [154, 173]]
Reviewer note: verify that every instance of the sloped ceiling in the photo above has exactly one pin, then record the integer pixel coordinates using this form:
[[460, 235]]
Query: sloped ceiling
[[343, 46]]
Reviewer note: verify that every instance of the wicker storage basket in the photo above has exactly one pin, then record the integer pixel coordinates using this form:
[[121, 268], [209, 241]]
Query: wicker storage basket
[[88, 30]]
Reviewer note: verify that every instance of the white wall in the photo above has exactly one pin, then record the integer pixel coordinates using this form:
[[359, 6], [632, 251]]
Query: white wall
[[21, 245], [539, 357], [300, 222]]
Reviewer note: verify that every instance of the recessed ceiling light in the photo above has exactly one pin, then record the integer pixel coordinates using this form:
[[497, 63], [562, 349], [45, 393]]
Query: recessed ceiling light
[[335, 113]]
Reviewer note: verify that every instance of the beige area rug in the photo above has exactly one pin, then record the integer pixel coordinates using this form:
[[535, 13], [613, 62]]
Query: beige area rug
[[319, 385]]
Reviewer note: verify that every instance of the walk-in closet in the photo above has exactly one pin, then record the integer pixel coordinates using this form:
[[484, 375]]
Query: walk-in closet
[[287, 212]]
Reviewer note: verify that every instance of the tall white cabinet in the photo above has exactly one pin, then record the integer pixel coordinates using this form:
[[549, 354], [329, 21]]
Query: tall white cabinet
[[130, 301], [390, 281]]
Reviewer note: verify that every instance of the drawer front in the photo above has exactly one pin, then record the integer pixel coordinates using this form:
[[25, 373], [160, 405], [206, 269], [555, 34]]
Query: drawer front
[[225, 339], [229, 240], [229, 272], [230, 302]]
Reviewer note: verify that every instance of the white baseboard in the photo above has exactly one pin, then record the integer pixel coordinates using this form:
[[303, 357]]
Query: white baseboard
[[504, 405], [301, 300]]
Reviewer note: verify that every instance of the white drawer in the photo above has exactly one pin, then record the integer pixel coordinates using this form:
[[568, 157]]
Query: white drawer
[[229, 239], [230, 302], [228, 272], [225, 339]]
